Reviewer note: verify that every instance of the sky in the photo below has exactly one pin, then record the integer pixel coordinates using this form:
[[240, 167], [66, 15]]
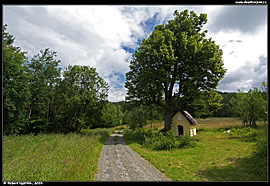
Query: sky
[[106, 36]]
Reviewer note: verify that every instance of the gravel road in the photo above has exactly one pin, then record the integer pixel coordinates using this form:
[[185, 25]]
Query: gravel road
[[118, 162]]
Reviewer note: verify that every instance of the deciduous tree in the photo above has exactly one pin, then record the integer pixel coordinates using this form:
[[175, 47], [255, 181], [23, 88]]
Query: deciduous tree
[[205, 105], [250, 107], [16, 90], [80, 98], [44, 72], [175, 64], [137, 117]]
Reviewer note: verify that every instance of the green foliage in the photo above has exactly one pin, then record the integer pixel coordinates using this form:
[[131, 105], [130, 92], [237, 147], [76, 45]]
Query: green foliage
[[157, 140], [119, 115], [151, 112], [262, 142], [250, 107], [155, 112], [264, 90], [45, 74], [225, 110], [166, 141], [111, 115], [137, 117], [208, 103], [37, 99], [245, 131], [175, 64], [80, 98], [16, 90], [264, 96], [139, 134]]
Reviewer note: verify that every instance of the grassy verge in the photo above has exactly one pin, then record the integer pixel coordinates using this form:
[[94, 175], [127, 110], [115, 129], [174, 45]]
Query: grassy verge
[[53, 157], [217, 156]]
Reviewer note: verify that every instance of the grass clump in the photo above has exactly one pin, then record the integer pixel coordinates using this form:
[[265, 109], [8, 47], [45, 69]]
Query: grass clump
[[115, 139]]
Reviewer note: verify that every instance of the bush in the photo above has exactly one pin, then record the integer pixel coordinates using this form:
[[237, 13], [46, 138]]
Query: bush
[[245, 131], [158, 140], [140, 134], [166, 141], [261, 145]]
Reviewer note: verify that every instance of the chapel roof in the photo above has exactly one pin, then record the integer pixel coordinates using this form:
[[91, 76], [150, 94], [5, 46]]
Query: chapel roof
[[187, 115]]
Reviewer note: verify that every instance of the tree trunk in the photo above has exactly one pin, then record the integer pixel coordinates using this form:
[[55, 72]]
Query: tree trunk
[[168, 119], [169, 109], [79, 130], [28, 117]]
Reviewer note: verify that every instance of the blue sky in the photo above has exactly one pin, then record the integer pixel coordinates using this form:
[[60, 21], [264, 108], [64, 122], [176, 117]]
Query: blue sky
[[105, 37]]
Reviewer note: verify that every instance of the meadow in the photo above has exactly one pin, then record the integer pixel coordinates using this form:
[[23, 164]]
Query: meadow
[[240, 155], [53, 157], [211, 122]]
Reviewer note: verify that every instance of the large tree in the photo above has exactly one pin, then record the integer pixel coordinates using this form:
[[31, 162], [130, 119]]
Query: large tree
[[44, 72], [175, 64], [15, 85], [250, 107], [80, 97]]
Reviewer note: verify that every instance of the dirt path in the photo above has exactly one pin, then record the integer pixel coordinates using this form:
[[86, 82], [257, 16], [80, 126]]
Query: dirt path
[[118, 162]]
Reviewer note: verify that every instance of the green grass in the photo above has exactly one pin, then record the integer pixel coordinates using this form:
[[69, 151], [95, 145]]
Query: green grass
[[217, 156], [212, 122], [53, 157], [115, 138], [221, 122]]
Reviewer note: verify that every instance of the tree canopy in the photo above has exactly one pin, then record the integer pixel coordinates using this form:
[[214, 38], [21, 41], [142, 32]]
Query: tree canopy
[[15, 85], [251, 106], [38, 99], [175, 65]]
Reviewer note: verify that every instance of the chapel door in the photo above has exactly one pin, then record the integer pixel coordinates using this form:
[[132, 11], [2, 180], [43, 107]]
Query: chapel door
[[180, 130]]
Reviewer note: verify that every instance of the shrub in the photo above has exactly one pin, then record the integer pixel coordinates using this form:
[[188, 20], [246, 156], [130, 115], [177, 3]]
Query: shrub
[[245, 131], [158, 140], [261, 145], [139, 134], [166, 141]]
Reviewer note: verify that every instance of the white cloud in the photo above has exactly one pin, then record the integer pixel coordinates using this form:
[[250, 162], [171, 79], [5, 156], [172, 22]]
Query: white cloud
[[116, 93], [241, 32], [95, 36], [115, 61], [105, 31], [241, 55]]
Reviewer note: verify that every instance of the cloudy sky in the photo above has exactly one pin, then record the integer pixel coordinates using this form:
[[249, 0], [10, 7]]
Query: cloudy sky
[[105, 37]]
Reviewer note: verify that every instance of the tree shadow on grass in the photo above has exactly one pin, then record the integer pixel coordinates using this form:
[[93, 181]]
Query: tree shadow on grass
[[252, 168]]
